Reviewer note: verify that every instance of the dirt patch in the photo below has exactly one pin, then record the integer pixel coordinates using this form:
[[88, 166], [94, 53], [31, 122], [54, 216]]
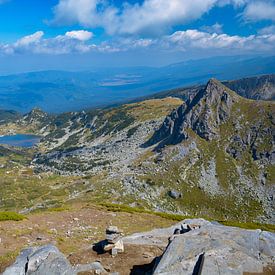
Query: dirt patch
[[136, 259]]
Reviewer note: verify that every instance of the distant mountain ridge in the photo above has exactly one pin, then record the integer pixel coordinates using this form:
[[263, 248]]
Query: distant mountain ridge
[[260, 87], [59, 91]]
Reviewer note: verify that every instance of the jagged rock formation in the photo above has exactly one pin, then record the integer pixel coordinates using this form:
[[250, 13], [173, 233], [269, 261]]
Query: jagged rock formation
[[203, 113], [37, 118]]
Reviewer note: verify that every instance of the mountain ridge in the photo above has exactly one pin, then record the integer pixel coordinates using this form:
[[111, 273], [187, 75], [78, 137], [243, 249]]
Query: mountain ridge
[[58, 92]]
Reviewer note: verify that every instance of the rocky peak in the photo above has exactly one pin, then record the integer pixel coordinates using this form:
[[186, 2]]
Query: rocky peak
[[203, 113], [36, 115]]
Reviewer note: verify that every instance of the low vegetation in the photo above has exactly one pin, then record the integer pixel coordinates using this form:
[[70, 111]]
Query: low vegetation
[[11, 216], [175, 217]]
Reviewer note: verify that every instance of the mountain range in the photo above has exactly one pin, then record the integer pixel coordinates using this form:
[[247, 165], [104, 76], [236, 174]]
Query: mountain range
[[60, 91], [209, 155]]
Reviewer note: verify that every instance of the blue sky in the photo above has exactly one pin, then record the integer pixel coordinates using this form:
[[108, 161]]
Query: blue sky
[[81, 34]]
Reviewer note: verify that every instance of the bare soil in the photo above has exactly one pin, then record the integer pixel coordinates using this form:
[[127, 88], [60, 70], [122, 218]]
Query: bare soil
[[136, 260]]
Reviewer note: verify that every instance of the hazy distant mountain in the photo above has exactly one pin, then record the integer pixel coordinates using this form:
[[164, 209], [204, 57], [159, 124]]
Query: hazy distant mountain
[[258, 87], [58, 91]]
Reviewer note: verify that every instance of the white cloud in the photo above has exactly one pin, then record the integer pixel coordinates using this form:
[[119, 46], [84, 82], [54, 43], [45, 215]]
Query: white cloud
[[267, 30], [160, 15], [189, 40], [73, 41], [216, 28], [259, 10], [30, 39], [151, 16], [80, 35], [72, 11]]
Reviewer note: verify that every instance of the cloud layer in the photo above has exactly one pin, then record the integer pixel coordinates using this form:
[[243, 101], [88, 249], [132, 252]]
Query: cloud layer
[[189, 40], [148, 26]]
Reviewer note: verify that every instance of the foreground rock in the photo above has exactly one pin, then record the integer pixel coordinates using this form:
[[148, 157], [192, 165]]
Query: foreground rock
[[47, 260], [214, 248]]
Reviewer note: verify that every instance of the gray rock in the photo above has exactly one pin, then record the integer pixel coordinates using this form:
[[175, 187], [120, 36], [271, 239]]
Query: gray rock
[[160, 236], [18, 268], [96, 266], [174, 194], [226, 250], [54, 264], [40, 261], [203, 113]]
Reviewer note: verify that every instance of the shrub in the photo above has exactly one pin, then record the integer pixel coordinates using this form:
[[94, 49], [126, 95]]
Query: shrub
[[11, 216]]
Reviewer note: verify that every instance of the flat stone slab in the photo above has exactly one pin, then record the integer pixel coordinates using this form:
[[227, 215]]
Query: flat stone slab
[[160, 237], [227, 250]]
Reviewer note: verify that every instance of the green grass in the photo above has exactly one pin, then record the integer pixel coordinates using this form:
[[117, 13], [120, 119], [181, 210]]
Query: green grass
[[250, 225], [176, 217], [125, 208], [7, 259], [11, 216]]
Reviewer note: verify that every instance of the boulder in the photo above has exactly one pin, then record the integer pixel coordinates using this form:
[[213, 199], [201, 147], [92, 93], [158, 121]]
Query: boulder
[[174, 194], [48, 260], [42, 260], [217, 249]]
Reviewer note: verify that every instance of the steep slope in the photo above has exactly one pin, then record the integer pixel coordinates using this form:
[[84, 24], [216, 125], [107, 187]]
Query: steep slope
[[223, 146], [100, 140]]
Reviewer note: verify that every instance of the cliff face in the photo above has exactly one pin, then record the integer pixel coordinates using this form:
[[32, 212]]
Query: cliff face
[[208, 110], [203, 113]]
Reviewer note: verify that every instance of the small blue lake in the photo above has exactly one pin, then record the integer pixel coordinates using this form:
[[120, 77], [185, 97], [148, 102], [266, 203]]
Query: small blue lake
[[19, 140]]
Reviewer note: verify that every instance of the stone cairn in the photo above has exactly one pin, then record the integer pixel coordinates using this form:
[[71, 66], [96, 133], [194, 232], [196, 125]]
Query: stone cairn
[[114, 243]]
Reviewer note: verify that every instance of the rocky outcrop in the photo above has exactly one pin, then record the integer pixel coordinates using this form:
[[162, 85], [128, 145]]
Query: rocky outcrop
[[36, 117], [259, 140], [203, 113], [40, 260], [211, 247], [217, 249], [46, 260]]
